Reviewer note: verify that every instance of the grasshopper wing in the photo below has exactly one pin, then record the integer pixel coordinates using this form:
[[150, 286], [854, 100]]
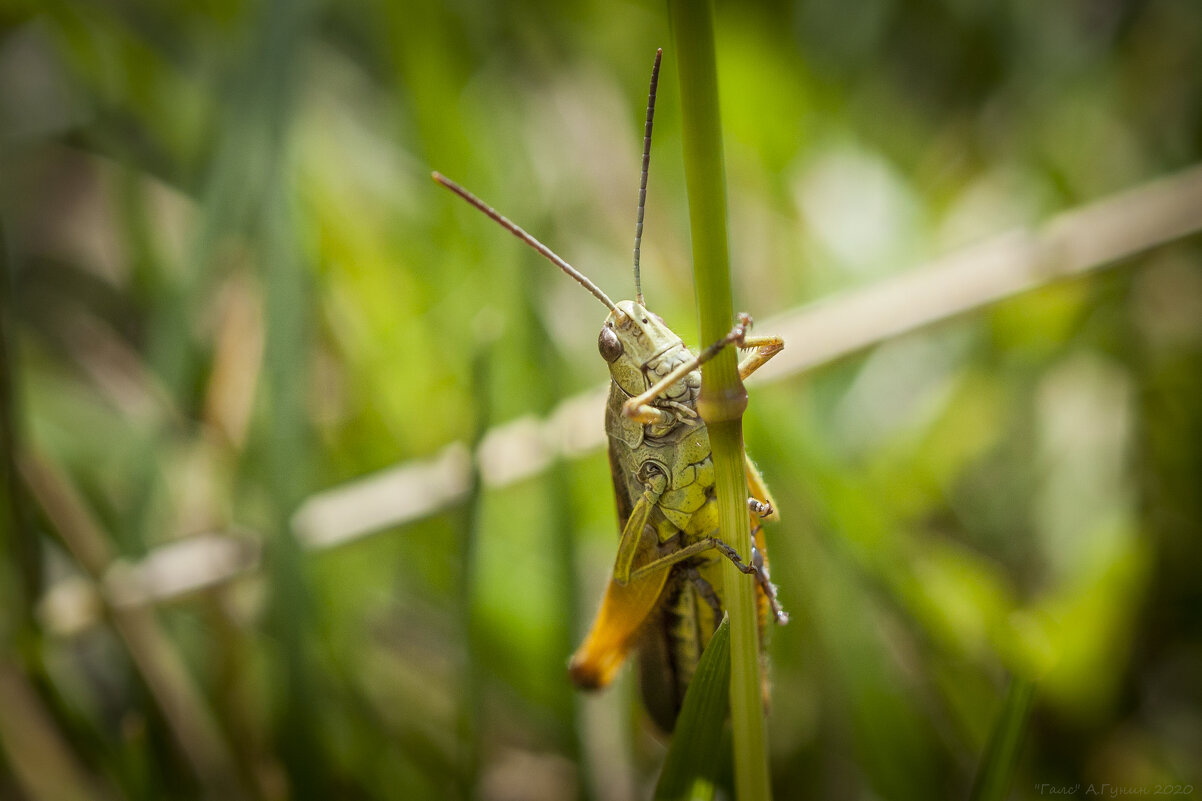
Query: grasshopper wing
[[623, 608]]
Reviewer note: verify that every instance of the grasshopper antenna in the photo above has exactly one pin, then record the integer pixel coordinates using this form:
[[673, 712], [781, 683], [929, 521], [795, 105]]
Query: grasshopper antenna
[[638, 226], [517, 231]]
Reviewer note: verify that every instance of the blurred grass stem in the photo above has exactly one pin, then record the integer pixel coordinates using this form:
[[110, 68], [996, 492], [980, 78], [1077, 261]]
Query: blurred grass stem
[[184, 708], [16, 537], [471, 708], [43, 764], [995, 774]]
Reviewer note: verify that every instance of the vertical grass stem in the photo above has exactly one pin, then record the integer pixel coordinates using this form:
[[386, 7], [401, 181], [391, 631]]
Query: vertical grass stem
[[723, 398]]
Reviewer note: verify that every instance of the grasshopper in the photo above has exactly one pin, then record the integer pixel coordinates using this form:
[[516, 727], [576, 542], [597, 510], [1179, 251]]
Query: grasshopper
[[665, 593]]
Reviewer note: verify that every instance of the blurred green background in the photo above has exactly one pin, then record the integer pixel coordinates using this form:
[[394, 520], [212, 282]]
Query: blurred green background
[[231, 292]]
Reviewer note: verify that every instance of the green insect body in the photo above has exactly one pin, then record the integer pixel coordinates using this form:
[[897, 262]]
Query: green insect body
[[665, 596]]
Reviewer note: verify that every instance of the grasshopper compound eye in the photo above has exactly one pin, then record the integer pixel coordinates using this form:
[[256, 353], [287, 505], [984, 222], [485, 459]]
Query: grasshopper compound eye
[[609, 344]]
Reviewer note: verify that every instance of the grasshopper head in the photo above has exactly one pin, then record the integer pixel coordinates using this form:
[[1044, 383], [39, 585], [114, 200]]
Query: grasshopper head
[[630, 339]]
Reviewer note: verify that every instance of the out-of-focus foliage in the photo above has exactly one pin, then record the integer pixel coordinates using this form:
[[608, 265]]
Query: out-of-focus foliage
[[229, 283]]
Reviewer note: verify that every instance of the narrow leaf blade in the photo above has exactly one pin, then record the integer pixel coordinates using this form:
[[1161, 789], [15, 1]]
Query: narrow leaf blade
[[996, 771], [696, 749]]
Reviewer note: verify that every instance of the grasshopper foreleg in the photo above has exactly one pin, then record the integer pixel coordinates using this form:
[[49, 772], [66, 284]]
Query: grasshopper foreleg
[[765, 348], [687, 413], [640, 408]]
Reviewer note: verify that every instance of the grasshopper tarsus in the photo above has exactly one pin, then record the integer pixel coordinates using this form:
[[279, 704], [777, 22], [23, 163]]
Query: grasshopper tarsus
[[761, 509], [742, 326], [730, 553], [780, 615]]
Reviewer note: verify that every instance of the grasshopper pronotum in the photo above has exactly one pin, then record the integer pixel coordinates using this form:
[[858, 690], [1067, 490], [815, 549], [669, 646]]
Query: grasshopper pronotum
[[665, 594]]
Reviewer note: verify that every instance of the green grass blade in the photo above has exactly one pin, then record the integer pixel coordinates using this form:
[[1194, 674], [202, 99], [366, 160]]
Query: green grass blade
[[696, 749], [996, 771]]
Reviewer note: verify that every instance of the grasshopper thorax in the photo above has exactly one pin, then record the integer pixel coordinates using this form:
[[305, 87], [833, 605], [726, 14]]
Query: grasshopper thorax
[[638, 346]]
